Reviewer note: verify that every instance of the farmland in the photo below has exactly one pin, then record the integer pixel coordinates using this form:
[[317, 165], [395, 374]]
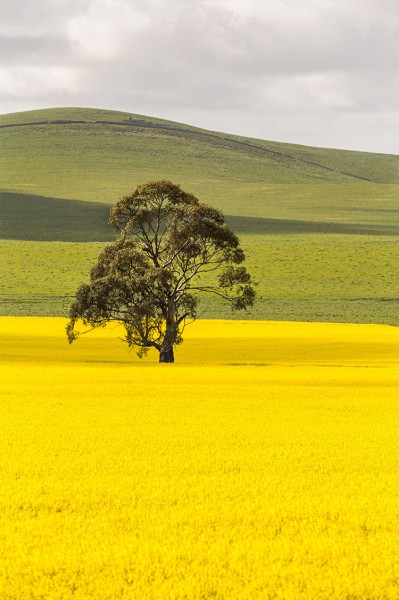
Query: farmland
[[262, 465], [300, 277], [319, 226]]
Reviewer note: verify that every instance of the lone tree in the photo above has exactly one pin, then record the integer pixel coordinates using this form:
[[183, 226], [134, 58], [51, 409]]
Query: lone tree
[[145, 279]]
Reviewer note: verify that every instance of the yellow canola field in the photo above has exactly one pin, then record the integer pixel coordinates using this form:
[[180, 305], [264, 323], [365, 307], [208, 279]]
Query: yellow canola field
[[263, 464]]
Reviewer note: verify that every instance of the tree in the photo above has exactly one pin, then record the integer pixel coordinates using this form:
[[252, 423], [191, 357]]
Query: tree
[[145, 280]]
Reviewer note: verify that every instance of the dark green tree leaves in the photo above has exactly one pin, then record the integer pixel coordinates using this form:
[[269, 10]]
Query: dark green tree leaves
[[149, 279]]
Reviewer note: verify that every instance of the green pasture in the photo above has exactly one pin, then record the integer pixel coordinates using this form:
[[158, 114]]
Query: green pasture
[[318, 225], [106, 156], [312, 277]]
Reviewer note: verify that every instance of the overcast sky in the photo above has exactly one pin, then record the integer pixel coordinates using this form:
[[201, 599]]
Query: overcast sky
[[317, 72]]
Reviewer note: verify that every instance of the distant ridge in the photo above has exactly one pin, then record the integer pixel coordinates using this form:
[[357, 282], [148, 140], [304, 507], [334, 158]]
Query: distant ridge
[[317, 162], [149, 124], [153, 125]]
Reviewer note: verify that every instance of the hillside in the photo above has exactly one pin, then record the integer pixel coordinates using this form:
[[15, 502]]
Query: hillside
[[272, 162], [96, 155], [336, 210]]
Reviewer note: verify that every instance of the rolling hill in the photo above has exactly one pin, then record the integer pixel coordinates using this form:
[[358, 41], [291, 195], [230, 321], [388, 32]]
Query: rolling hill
[[318, 225]]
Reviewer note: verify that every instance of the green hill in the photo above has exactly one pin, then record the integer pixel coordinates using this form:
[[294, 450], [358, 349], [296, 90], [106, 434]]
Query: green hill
[[318, 224]]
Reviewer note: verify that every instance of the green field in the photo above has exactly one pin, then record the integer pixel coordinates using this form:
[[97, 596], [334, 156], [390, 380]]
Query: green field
[[319, 226], [307, 278]]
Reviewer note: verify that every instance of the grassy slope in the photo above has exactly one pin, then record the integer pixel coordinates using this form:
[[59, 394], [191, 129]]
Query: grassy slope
[[319, 240]]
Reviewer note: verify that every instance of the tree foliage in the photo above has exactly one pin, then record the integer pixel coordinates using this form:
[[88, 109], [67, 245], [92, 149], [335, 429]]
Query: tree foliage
[[149, 279]]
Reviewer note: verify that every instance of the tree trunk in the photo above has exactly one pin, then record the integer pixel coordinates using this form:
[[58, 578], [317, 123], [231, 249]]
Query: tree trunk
[[166, 355]]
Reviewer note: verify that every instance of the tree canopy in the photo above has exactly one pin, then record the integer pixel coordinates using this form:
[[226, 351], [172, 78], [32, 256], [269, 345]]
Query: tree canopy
[[149, 278]]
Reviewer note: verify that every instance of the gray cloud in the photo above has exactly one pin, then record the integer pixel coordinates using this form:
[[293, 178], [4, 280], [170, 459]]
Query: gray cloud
[[46, 49], [321, 72]]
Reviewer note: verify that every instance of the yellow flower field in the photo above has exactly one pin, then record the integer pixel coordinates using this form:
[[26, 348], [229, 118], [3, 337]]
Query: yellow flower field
[[263, 464]]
